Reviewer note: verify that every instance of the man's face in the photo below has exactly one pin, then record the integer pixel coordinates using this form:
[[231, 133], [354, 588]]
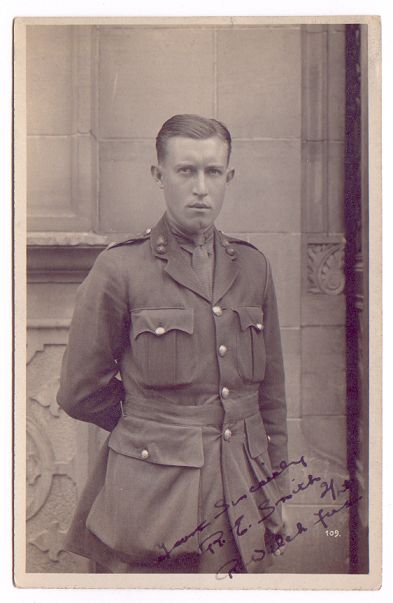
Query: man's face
[[194, 175]]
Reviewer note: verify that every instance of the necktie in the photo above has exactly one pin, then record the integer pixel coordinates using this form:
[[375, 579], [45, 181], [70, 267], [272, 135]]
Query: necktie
[[201, 264], [201, 248]]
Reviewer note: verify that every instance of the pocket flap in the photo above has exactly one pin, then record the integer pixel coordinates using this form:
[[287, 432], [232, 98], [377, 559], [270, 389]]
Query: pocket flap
[[256, 435], [158, 443], [159, 321], [250, 316]]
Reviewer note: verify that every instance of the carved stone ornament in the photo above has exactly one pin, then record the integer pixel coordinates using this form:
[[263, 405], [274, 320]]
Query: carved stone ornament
[[50, 541], [46, 396], [325, 268], [40, 467]]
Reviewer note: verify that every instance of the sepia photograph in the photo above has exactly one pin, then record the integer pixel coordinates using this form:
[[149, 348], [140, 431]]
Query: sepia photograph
[[192, 201]]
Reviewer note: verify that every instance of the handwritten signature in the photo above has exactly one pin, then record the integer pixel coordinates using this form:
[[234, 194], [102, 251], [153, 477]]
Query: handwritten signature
[[236, 565], [217, 540]]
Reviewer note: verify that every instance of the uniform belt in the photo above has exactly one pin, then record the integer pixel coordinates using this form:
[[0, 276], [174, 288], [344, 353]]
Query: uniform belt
[[213, 413]]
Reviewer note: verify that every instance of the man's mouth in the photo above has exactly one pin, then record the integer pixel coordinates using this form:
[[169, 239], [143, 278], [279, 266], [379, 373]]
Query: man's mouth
[[200, 206]]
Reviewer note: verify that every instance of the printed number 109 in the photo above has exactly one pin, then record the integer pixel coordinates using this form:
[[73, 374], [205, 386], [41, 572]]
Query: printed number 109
[[335, 533]]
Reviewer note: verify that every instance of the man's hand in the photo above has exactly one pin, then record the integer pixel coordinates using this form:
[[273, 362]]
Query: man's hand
[[276, 542]]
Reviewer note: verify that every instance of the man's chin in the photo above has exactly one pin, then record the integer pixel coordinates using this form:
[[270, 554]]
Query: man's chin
[[194, 225], [199, 228], [198, 225]]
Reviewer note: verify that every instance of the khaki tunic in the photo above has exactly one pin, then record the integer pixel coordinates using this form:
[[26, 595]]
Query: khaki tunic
[[195, 464]]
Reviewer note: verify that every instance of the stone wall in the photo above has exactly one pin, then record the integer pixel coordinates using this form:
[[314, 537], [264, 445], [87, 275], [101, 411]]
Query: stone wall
[[96, 99]]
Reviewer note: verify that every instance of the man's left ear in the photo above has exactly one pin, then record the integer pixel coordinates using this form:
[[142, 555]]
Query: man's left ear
[[157, 175], [230, 175]]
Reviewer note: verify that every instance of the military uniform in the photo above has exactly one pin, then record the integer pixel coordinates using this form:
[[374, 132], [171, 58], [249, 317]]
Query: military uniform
[[198, 419]]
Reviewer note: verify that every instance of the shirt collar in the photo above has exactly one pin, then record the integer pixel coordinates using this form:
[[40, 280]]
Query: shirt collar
[[188, 241]]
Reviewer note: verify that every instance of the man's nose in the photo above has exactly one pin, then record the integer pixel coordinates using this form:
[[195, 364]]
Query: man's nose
[[200, 188]]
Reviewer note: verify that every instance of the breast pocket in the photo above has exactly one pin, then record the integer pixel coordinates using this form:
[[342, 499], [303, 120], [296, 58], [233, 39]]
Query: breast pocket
[[162, 344], [251, 352]]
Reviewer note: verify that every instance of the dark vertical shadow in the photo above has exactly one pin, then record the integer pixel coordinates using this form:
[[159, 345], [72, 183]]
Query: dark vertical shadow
[[356, 334]]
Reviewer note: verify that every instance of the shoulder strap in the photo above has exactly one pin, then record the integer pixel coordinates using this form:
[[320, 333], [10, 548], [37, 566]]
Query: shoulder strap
[[142, 236], [226, 239]]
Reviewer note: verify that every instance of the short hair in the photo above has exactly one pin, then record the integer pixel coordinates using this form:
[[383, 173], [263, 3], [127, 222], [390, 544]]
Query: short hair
[[191, 126]]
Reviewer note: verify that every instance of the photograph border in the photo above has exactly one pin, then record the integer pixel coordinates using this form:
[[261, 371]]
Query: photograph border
[[369, 581]]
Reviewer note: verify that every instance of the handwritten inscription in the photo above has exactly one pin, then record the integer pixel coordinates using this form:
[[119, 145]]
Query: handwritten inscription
[[212, 539], [236, 565], [323, 515]]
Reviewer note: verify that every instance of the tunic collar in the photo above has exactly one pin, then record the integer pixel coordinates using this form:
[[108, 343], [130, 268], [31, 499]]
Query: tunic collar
[[165, 247], [188, 240]]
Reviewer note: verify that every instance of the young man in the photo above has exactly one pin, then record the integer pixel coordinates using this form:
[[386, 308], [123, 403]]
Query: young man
[[191, 477]]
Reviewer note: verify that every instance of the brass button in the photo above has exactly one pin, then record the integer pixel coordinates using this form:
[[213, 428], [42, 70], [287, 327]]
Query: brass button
[[268, 438], [230, 250], [225, 392], [227, 434], [259, 326], [159, 331], [222, 350], [148, 231], [278, 552], [145, 454], [217, 310]]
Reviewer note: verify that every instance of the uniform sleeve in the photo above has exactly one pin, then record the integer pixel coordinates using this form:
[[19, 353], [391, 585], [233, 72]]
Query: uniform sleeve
[[89, 389], [272, 399]]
